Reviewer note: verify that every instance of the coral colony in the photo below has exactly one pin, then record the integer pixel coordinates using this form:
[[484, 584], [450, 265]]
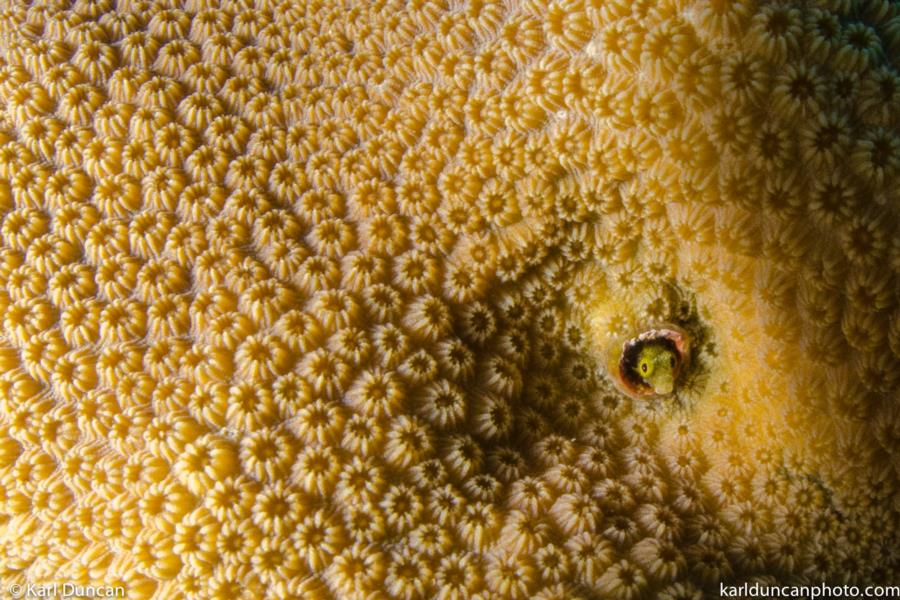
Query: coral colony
[[315, 299]]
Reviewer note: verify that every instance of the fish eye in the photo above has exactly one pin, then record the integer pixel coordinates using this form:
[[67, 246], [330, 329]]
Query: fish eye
[[644, 367]]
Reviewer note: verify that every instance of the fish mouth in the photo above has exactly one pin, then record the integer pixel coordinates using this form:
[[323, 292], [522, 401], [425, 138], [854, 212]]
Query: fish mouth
[[663, 388]]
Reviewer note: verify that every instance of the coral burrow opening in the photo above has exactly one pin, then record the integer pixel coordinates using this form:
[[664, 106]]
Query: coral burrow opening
[[650, 364], [656, 342]]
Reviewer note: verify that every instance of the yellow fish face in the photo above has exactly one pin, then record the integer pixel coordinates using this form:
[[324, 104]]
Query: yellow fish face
[[656, 367], [651, 363]]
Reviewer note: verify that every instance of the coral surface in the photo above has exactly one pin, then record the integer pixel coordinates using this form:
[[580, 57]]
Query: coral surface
[[317, 299]]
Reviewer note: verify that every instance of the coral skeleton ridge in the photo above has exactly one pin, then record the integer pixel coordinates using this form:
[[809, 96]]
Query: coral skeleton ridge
[[308, 299]]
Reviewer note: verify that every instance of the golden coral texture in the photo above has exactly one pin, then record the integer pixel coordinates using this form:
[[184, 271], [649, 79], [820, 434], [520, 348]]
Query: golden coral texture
[[306, 299]]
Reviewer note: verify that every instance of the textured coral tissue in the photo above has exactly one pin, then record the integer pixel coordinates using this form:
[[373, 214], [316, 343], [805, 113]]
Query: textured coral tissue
[[328, 299]]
